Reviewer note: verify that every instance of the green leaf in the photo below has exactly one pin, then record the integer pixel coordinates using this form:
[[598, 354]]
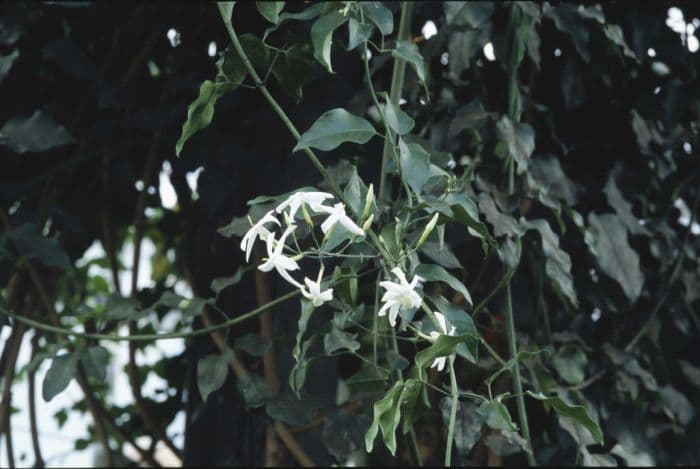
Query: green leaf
[[570, 362], [221, 283], [395, 360], [307, 307], [615, 256], [503, 223], [304, 15], [37, 133], [59, 375], [443, 346], [408, 401], [6, 62], [337, 340], [200, 112], [95, 361], [322, 37], [31, 244], [355, 192], [252, 344], [435, 273], [496, 416], [463, 210], [387, 413], [253, 389], [333, 128], [399, 121], [297, 376], [574, 412], [120, 308], [408, 51], [212, 371], [558, 261], [379, 15], [621, 206], [415, 165], [368, 379], [471, 14], [293, 68], [519, 139], [289, 409], [358, 33], [270, 10]]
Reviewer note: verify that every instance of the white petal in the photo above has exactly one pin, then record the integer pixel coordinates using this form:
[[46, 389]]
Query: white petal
[[393, 314], [350, 225]]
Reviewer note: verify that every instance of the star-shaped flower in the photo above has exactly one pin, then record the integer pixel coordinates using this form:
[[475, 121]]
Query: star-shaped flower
[[314, 292], [313, 200], [278, 261], [258, 230], [399, 296], [336, 214], [439, 362]]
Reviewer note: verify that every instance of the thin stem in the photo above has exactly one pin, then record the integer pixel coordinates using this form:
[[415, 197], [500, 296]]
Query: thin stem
[[147, 337], [517, 385], [397, 79], [453, 412], [504, 281]]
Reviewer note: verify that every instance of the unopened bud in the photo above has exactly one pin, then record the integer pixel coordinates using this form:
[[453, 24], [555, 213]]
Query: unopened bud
[[428, 229], [369, 199], [368, 223], [307, 217]]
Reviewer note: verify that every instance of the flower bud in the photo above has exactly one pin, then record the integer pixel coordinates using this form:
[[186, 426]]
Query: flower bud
[[368, 223], [428, 229], [369, 199]]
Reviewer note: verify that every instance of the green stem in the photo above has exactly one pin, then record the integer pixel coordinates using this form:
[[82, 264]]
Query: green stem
[[453, 412], [147, 337], [504, 281], [412, 441], [397, 78], [517, 384]]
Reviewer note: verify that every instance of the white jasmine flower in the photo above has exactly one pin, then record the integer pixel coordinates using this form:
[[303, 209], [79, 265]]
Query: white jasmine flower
[[258, 230], [314, 292], [278, 261], [399, 296], [313, 199], [336, 214], [439, 362]]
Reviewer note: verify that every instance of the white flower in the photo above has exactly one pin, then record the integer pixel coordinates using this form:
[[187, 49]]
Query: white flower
[[314, 292], [336, 214], [439, 362], [278, 261], [399, 296], [313, 199], [257, 230]]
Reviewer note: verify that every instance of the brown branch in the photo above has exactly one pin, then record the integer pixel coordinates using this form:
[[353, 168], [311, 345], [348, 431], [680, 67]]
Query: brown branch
[[33, 428], [273, 451], [241, 372], [13, 344], [139, 227]]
